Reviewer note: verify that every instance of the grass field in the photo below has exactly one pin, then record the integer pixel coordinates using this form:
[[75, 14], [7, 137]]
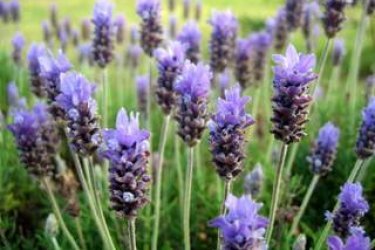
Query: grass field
[[24, 207]]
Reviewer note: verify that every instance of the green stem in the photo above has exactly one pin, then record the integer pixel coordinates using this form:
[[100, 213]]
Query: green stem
[[55, 243], [132, 235], [372, 244], [304, 204], [362, 173], [322, 64], [159, 174], [223, 208], [105, 96], [187, 199], [179, 170], [357, 167], [57, 212], [291, 158], [276, 192], [80, 233]]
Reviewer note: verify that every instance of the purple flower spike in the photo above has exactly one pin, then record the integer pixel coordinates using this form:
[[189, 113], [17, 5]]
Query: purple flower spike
[[85, 54], [186, 8], [37, 139], [223, 40], [15, 101], [227, 133], [142, 83], [292, 76], [370, 7], [15, 12], [242, 228], [192, 88], [338, 52], [243, 67], [5, 12], [356, 241], [311, 13], [224, 81], [253, 182], [120, 25], [85, 29], [133, 55], [324, 152], [127, 149], [47, 32], [18, 43], [36, 81], [260, 43], [294, 12], [281, 32], [54, 15], [198, 10], [134, 34], [75, 38], [353, 206], [80, 111], [172, 27], [170, 63], [334, 16], [191, 36], [365, 146], [151, 28], [102, 43]]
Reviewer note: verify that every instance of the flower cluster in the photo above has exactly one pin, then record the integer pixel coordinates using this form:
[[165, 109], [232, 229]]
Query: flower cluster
[[80, 112], [102, 44], [280, 31], [365, 146], [243, 70], [151, 28], [170, 62], [294, 13], [311, 13], [191, 36], [120, 28], [36, 81], [260, 43], [142, 83], [356, 241], [338, 52], [293, 74], [127, 149], [324, 152], [18, 43], [242, 228], [254, 181], [227, 133], [223, 40], [334, 16], [193, 89], [352, 208], [37, 139]]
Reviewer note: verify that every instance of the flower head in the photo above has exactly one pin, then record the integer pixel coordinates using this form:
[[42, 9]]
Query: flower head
[[35, 52], [260, 42], [356, 241], [338, 51], [243, 68], [147, 9], [294, 12], [120, 28], [365, 146], [334, 16], [325, 149], [18, 43], [142, 83], [15, 101], [242, 228], [254, 181]]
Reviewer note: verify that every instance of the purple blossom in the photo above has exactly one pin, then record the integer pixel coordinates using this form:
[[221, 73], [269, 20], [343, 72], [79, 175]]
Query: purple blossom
[[192, 88], [54, 15], [172, 26], [134, 34], [133, 55], [338, 52], [36, 138], [242, 228], [224, 81], [294, 12], [370, 7], [334, 16], [223, 39], [353, 207], [365, 146], [81, 112], [191, 36], [243, 68], [356, 241], [151, 28], [198, 10], [311, 13], [281, 32], [170, 62], [142, 83], [127, 149], [18, 43], [324, 152], [260, 42], [103, 34], [75, 37], [47, 32], [292, 75], [186, 8], [227, 133], [253, 181], [36, 81], [85, 53], [15, 12], [85, 29], [15, 101], [120, 25]]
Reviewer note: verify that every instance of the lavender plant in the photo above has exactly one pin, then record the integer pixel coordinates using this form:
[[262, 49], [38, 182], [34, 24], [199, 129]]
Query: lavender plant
[[365, 146], [142, 83], [120, 29], [356, 241], [294, 13], [254, 181], [36, 81], [334, 17], [191, 36], [18, 43], [280, 30], [243, 70]]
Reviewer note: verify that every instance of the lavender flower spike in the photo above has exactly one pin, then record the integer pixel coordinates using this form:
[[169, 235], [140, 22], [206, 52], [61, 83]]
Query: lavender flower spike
[[170, 63], [338, 52], [85, 29], [80, 111], [193, 89], [352, 208], [15, 101], [37, 139], [223, 40], [260, 43], [242, 228], [324, 152], [142, 83], [370, 7], [334, 16], [15, 12], [127, 149], [281, 32], [102, 43], [18, 43], [356, 241], [36, 81], [293, 74], [254, 181], [243, 68], [120, 25], [191, 36], [294, 13], [365, 146], [151, 28], [227, 133]]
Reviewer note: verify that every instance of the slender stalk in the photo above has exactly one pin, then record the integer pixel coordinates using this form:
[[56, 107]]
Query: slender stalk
[[187, 199], [322, 64], [177, 154], [132, 235], [332, 86], [159, 174], [304, 204], [276, 191], [55, 243], [105, 96], [57, 212], [362, 173], [372, 244], [357, 167], [80, 233], [223, 208], [257, 95]]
